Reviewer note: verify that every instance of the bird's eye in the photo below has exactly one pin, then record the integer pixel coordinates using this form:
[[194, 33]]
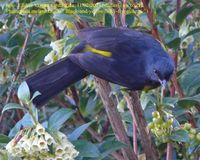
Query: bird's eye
[[155, 71]]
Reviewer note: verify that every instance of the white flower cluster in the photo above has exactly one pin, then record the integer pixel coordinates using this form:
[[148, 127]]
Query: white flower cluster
[[37, 144], [56, 53]]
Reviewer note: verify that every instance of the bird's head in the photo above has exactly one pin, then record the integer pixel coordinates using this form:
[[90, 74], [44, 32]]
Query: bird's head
[[160, 70]]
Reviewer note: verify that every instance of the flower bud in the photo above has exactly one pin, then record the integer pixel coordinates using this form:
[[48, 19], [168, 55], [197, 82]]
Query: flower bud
[[40, 129], [59, 151], [42, 143], [49, 139], [35, 145]]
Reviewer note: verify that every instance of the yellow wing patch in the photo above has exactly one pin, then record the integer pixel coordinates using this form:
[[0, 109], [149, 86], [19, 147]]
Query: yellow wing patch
[[97, 51], [147, 88]]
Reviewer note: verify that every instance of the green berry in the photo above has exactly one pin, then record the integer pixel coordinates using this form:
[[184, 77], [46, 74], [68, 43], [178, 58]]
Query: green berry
[[159, 133], [156, 114], [151, 125], [157, 120], [187, 126], [191, 136], [193, 131], [170, 121], [166, 125], [164, 140], [198, 136], [192, 157]]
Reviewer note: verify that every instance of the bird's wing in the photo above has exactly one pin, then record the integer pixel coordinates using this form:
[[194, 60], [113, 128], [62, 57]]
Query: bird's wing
[[129, 74]]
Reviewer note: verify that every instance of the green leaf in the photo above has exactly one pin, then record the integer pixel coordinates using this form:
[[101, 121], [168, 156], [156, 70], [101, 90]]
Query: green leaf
[[189, 101], [14, 51], [91, 104], [86, 149], [4, 51], [59, 118], [23, 92], [126, 116], [183, 13], [179, 136], [194, 146], [4, 139], [3, 155], [197, 30], [170, 101], [17, 39], [39, 2], [172, 39], [11, 106], [190, 79], [25, 122], [78, 131], [103, 7], [36, 57], [3, 89], [108, 147], [174, 43], [61, 16]]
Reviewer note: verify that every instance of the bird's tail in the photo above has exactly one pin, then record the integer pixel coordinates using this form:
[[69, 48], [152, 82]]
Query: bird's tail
[[54, 78]]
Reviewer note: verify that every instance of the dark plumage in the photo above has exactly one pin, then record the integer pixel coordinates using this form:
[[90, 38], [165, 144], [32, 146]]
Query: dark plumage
[[137, 60]]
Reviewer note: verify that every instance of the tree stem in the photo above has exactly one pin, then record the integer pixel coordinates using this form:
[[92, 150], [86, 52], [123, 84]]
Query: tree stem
[[104, 90]]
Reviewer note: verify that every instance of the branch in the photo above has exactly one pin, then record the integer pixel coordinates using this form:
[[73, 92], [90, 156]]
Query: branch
[[104, 90], [150, 16], [124, 13], [169, 151], [130, 107], [136, 109], [21, 55]]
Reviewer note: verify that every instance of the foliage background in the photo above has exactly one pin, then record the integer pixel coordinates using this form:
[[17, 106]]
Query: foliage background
[[78, 111]]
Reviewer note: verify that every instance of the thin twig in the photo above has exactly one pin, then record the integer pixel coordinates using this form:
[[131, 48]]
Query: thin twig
[[130, 107], [135, 145], [136, 109], [178, 5], [169, 151], [150, 16], [117, 18], [124, 13], [19, 63]]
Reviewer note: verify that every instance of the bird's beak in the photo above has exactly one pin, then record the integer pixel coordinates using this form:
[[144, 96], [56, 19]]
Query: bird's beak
[[163, 83]]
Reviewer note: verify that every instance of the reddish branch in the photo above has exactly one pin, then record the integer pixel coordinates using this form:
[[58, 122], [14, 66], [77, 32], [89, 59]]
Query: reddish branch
[[134, 121], [110, 104], [117, 18], [124, 13], [20, 59], [136, 109], [150, 16], [169, 151]]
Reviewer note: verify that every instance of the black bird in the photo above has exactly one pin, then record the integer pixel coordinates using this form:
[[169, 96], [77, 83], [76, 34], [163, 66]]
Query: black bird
[[123, 56]]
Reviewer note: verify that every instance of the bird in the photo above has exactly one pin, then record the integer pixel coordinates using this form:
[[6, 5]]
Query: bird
[[129, 58]]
